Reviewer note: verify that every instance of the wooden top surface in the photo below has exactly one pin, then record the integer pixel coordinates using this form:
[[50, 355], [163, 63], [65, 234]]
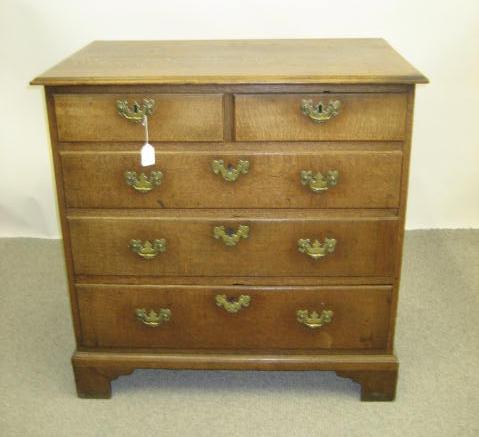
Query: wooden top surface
[[362, 61]]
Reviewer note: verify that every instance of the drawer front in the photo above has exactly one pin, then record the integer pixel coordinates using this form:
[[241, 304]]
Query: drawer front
[[272, 179], [176, 117], [100, 245], [194, 317], [361, 117]]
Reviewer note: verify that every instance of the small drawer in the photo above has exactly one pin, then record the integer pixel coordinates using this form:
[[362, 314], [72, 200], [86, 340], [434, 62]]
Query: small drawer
[[232, 243], [270, 176], [280, 117], [175, 117], [180, 317]]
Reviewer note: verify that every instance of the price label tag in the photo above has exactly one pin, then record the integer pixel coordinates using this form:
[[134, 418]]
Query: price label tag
[[147, 151], [147, 155]]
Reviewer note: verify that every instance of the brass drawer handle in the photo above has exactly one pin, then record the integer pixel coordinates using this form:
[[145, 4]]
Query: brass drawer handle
[[152, 318], [319, 182], [316, 249], [228, 236], [232, 305], [148, 250], [143, 183], [320, 113], [314, 320], [137, 112], [230, 173]]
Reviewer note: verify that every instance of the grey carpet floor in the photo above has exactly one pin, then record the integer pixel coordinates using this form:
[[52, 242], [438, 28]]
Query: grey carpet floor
[[437, 342]]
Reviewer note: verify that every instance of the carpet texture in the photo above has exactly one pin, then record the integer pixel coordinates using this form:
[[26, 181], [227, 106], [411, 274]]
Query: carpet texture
[[437, 342]]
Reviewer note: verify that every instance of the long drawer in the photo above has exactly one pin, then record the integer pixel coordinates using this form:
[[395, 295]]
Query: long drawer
[[280, 117], [240, 176], [233, 243], [176, 117], [234, 317]]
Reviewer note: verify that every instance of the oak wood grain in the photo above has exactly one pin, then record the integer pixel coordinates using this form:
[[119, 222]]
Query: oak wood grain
[[95, 382], [276, 117], [364, 245], [233, 61], [232, 360], [234, 100], [360, 320], [62, 215], [231, 88], [176, 117], [94, 370], [402, 214], [377, 385], [369, 177], [233, 280]]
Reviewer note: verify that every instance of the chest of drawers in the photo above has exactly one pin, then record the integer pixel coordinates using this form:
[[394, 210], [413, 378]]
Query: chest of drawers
[[267, 235]]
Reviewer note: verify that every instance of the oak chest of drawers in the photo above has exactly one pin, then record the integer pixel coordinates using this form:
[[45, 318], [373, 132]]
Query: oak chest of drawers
[[268, 233]]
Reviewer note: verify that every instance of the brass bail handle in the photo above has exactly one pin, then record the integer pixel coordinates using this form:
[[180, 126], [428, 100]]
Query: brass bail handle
[[317, 182], [315, 249], [143, 183], [232, 305], [320, 113], [153, 318], [137, 112], [147, 249], [228, 172], [314, 319], [229, 236]]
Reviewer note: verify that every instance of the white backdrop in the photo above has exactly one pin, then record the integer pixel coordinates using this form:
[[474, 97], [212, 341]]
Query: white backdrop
[[440, 37]]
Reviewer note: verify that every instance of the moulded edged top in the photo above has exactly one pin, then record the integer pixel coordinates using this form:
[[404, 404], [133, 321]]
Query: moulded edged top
[[292, 61]]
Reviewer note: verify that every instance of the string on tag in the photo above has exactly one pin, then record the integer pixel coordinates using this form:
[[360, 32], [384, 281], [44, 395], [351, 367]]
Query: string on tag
[[147, 151]]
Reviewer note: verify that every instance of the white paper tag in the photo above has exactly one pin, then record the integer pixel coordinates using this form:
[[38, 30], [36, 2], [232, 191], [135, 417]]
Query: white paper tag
[[147, 155]]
